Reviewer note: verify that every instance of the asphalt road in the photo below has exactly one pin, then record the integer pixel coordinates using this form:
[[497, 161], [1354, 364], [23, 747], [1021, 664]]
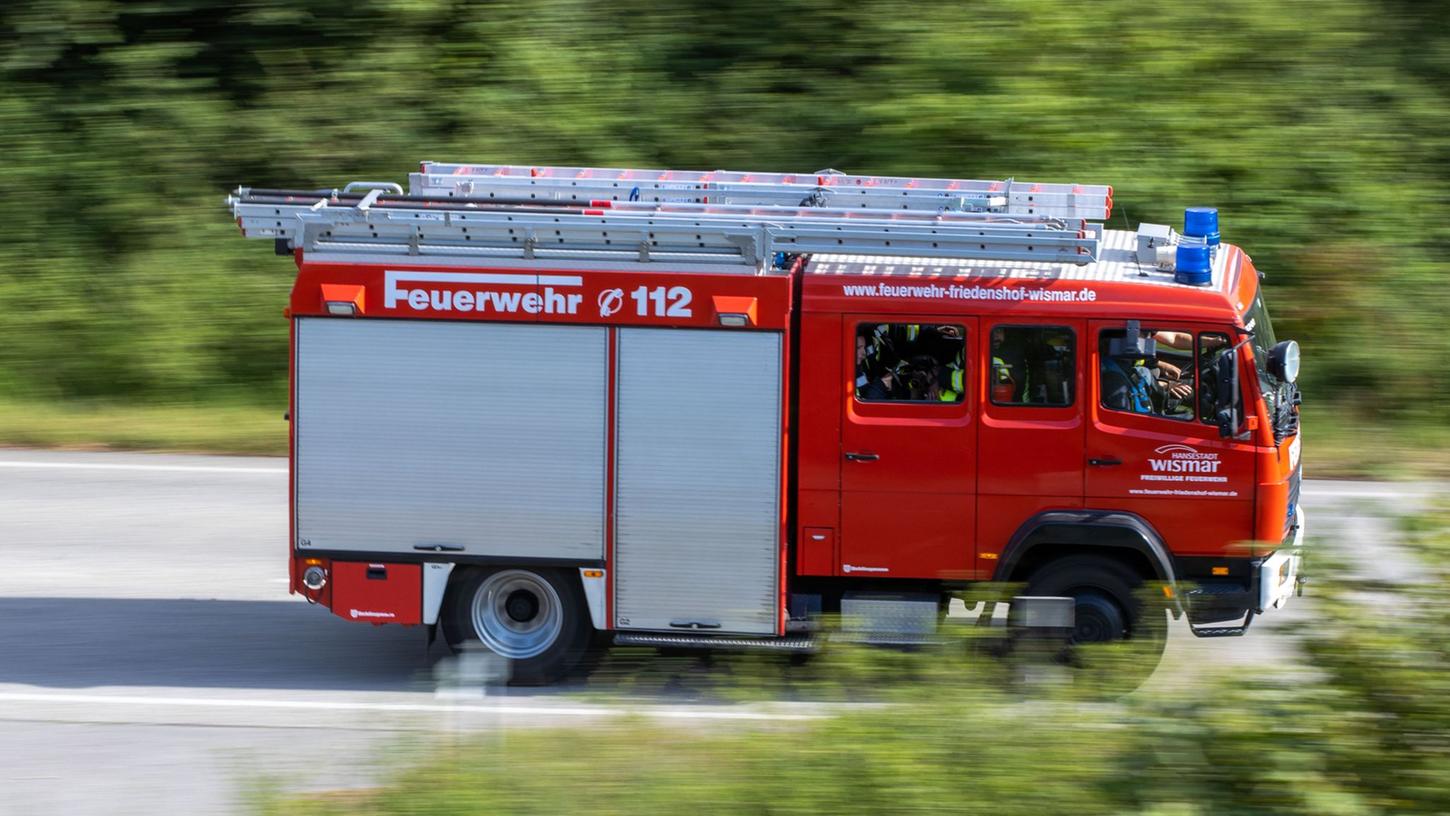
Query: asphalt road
[[151, 659]]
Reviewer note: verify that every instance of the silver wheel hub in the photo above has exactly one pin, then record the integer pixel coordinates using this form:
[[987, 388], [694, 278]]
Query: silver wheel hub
[[517, 614]]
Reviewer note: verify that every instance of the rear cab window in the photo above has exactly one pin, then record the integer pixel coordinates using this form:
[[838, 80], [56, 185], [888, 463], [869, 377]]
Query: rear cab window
[[1032, 366]]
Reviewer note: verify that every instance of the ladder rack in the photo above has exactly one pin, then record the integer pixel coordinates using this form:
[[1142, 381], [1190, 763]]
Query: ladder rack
[[823, 188], [747, 238]]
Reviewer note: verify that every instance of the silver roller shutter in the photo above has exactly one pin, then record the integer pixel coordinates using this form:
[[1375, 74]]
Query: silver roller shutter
[[698, 480], [488, 437]]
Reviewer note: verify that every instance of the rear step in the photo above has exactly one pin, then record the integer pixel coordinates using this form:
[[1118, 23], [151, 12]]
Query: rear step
[[672, 641]]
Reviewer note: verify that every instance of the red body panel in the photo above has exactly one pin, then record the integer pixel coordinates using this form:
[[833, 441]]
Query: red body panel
[[823, 374], [817, 553], [1047, 296], [999, 517], [406, 288], [372, 592]]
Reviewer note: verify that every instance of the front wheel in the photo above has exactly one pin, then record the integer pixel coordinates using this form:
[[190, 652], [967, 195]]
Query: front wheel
[[1109, 607], [537, 620]]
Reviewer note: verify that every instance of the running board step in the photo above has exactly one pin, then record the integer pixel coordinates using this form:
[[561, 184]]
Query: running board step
[[1219, 631], [1223, 631], [665, 641]]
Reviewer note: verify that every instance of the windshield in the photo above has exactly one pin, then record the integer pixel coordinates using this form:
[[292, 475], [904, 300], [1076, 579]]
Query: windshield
[[1256, 320], [1281, 398]]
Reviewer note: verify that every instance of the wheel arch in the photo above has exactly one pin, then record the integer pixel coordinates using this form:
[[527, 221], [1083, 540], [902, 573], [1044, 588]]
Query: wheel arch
[[1125, 537]]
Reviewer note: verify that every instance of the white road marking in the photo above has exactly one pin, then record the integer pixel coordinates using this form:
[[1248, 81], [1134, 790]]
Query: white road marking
[[157, 468], [324, 705]]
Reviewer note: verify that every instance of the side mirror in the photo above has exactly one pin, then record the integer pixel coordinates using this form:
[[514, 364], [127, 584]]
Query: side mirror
[[1226, 392], [1284, 361]]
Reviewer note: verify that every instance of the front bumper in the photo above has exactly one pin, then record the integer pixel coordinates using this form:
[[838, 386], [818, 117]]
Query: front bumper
[[1260, 587], [1278, 576]]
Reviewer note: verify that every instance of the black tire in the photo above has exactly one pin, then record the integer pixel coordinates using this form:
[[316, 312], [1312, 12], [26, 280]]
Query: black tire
[[537, 619], [1110, 607]]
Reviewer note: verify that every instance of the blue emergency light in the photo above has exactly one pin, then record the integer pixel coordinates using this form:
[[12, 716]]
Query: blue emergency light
[[1193, 265], [1201, 222]]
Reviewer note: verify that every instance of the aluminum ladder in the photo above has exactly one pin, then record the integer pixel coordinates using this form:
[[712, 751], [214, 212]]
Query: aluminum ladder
[[827, 188], [749, 239]]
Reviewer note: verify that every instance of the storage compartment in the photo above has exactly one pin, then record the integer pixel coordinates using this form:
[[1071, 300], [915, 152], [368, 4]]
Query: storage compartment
[[377, 593], [477, 438], [697, 531], [816, 551]]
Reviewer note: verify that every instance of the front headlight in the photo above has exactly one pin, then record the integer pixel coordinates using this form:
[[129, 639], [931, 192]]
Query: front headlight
[[1284, 361]]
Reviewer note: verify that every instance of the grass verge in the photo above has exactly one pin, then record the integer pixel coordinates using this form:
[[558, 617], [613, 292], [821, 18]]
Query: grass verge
[[199, 428]]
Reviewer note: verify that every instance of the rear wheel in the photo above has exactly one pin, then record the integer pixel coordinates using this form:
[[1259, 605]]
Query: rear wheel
[[537, 620], [1109, 608]]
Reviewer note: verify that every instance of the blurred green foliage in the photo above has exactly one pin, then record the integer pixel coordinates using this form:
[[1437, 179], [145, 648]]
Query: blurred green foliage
[[1362, 726], [1319, 127]]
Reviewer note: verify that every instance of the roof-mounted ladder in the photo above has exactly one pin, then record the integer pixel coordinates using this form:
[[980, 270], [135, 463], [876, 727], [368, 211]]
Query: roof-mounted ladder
[[827, 188], [379, 221]]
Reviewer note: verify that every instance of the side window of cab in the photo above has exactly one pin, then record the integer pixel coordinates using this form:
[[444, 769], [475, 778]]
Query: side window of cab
[[1032, 366], [1160, 371], [911, 362]]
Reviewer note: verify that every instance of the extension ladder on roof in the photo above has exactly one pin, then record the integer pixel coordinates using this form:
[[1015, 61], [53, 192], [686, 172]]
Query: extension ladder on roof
[[824, 188], [748, 237]]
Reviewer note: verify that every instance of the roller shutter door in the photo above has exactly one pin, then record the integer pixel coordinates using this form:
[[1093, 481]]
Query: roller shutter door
[[698, 487], [488, 437]]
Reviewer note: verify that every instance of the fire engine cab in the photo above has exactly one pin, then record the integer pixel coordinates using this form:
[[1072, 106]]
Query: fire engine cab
[[549, 408]]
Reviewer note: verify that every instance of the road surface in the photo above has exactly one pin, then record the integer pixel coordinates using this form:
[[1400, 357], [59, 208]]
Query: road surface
[[152, 661]]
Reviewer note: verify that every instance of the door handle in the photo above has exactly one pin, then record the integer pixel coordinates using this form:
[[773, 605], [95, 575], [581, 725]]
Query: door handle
[[1107, 462], [695, 624], [862, 457]]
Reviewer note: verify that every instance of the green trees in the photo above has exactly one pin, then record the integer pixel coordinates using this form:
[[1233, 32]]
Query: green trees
[[1319, 129]]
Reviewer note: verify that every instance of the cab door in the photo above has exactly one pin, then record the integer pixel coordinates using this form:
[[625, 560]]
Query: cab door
[[1166, 461], [908, 470], [1030, 443]]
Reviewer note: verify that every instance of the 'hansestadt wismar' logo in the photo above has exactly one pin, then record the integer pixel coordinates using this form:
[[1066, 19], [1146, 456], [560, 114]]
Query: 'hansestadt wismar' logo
[[1183, 459]]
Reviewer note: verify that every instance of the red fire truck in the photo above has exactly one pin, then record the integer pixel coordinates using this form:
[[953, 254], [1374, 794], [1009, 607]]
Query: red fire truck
[[548, 408]]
